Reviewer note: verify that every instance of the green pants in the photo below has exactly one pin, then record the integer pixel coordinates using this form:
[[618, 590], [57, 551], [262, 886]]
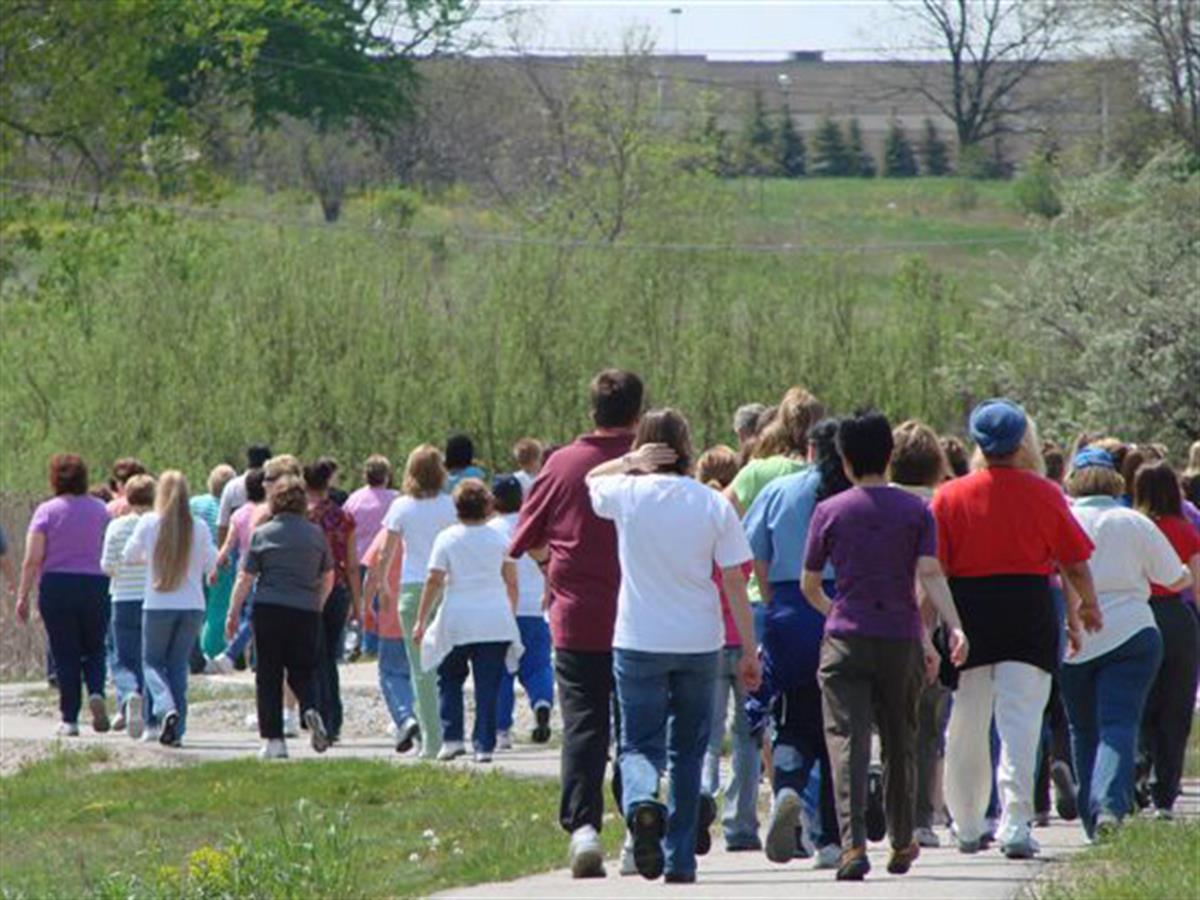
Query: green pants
[[424, 683], [216, 608]]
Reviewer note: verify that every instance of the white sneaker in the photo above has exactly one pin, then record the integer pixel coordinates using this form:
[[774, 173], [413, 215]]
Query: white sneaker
[[118, 722], [828, 857], [134, 726], [220, 665], [628, 863], [587, 855], [67, 729], [252, 721], [149, 736], [482, 756], [291, 724], [393, 730], [451, 750], [503, 740], [780, 843], [275, 748], [926, 837]]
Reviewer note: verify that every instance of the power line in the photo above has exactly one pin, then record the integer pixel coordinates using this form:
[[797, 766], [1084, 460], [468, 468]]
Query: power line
[[469, 236]]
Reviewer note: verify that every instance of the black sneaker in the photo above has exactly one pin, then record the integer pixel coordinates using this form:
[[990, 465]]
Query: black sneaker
[[707, 815], [801, 851], [407, 736], [541, 731], [316, 730], [876, 821], [680, 878], [169, 736], [648, 825]]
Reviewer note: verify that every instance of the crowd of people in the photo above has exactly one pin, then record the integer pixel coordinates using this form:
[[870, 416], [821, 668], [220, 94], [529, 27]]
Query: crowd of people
[[1014, 622]]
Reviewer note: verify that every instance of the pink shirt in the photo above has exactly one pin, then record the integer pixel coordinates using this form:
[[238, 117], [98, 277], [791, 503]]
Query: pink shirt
[[368, 505], [242, 525]]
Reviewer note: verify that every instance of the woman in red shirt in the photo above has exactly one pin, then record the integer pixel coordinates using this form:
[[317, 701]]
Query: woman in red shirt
[[1167, 720], [1003, 530]]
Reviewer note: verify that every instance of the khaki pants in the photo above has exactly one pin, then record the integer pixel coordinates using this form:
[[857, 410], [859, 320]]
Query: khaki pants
[[865, 680]]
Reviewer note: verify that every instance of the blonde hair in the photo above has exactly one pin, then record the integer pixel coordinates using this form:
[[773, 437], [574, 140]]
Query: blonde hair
[[1095, 481], [278, 466], [424, 473], [219, 477], [287, 495], [139, 490], [787, 433], [717, 466], [1027, 456], [173, 548], [1193, 463]]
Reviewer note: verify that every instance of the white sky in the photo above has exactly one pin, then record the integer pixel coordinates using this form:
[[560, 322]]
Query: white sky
[[747, 28]]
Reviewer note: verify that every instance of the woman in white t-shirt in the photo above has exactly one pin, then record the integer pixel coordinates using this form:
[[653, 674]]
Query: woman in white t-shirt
[[1106, 679], [179, 552], [669, 632], [412, 522], [476, 623]]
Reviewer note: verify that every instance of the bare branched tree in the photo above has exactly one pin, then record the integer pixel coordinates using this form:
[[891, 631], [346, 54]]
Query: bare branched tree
[[993, 46]]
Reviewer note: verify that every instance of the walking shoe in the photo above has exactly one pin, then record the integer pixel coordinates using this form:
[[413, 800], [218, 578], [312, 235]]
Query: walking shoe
[[275, 748], [648, 824], [406, 735], [781, 826], [541, 731], [828, 857], [169, 736], [902, 858], [876, 822], [587, 856], [134, 725], [483, 756], [451, 750], [503, 740], [1041, 820], [118, 722], [1066, 795], [926, 837], [854, 865], [150, 735], [1164, 815], [749, 844], [802, 851], [965, 846], [706, 816], [67, 729], [1106, 828], [680, 878], [219, 665], [99, 711], [1022, 846], [316, 730], [628, 866], [291, 725]]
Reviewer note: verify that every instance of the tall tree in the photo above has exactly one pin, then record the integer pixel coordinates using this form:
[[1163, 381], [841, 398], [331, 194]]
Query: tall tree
[[829, 153], [935, 155], [993, 46], [791, 152], [899, 158], [860, 160], [758, 139]]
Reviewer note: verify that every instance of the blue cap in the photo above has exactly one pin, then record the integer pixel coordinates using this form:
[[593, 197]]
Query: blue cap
[[1093, 458], [507, 489], [997, 426]]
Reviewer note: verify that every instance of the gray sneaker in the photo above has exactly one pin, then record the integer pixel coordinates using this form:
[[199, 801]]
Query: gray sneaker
[[1020, 847], [134, 726], [926, 837], [628, 863], [587, 855], [781, 827], [99, 711]]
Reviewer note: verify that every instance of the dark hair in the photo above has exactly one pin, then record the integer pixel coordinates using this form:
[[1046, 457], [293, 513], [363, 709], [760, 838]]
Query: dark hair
[[865, 442], [1055, 460], [472, 500], [139, 490], [1135, 458], [507, 493], [956, 455], [667, 426], [616, 399], [68, 474], [1156, 490], [377, 471], [460, 452], [822, 437], [256, 489], [257, 455], [318, 475], [124, 469]]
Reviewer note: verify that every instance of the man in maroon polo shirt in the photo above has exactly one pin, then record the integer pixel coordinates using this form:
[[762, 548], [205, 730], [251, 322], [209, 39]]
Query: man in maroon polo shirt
[[578, 550]]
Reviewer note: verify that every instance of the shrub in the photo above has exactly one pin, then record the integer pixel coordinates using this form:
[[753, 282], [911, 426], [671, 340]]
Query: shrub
[[935, 155], [830, 155], [899, 158], [1037, 190]]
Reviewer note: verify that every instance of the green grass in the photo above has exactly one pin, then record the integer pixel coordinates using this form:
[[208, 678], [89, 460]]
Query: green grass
[[347, 828]]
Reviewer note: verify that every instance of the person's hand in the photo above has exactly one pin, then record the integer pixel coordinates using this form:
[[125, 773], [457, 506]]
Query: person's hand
[[749, 672], [959, 647], [23, 610], [231, 625], [418, 634], [1091, 618], [1074, 640], [649, 458], [933, 661]]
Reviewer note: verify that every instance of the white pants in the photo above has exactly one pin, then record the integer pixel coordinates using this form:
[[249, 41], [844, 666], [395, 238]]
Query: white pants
[[1016, 693]]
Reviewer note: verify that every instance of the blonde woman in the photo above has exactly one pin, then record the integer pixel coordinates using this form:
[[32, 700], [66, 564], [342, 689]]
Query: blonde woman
[[415, 519], [179, 553]]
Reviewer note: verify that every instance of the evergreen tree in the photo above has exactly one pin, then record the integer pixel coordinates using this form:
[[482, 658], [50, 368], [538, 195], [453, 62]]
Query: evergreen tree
[[791, 151], [829, 156], [758, 140], [935, 156], [899, 158], [859, 159]]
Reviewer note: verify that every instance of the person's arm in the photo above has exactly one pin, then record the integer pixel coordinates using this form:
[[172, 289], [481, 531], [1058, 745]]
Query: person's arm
[[241, 590], [1194, 567], [434, 583], [731, 495], [933, 581], [226, 544], [508, 571], [762, 571], [646, 458], [377, 581], [31, 568], [813, 588], [326, 588], [353, 578], [1079, 575], [734, 582]]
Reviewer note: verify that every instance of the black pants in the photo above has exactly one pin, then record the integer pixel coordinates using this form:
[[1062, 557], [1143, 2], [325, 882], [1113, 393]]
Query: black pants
[[285, 639], [586, 700], [1167, 721], [1055, 747], [326, 686], [75, 610]]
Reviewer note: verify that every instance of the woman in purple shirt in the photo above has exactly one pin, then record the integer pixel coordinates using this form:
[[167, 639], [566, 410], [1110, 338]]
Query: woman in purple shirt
[[62, 553]]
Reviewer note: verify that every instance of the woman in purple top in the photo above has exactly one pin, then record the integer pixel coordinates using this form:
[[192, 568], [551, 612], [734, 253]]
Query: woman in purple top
[[880, 539], [62, 553]]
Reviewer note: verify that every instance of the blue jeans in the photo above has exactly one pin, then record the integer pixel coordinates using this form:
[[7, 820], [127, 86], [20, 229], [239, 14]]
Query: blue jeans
[[1104, 698], [167, 638], [395, 678], [75, 611], [537, 677], [486, 661], [245, 629], [666, 702], [740, 818], [127, 649]]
